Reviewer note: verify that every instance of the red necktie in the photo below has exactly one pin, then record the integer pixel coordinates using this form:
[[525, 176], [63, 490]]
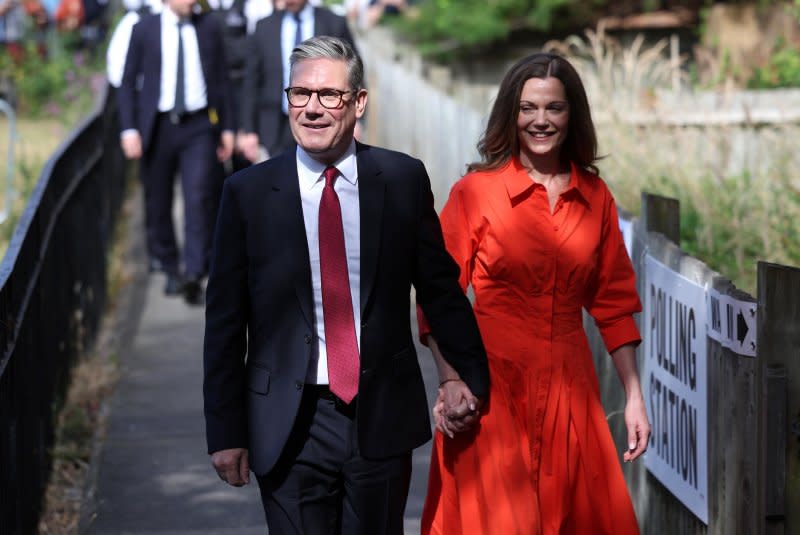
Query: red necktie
[[337, 305]]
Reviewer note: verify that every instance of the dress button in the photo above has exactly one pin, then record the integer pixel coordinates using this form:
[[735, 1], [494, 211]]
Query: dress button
[[308, 338], [555, 227], [298, 385]]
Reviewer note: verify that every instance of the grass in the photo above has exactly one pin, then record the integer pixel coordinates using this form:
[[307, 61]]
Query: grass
[[82, 419], [739, 192], [34, 142]]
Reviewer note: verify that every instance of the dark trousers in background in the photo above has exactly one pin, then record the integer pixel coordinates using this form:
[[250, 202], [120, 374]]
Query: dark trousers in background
[[322, 485], [189, 149], [284, 139]]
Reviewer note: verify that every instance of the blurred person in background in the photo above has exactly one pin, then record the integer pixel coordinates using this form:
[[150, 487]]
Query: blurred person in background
[[118, 44], [237, 20], [12, 28], [176, 116], [264, 114], [95, 23], [535, 233]]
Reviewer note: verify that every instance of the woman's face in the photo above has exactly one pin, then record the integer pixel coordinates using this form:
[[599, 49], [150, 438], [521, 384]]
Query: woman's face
[[543, 120]]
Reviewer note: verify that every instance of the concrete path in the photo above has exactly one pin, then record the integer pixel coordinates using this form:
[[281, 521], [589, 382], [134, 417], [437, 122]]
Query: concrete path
[[153, 474]]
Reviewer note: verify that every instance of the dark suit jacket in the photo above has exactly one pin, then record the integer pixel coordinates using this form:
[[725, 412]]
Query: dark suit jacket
[[263, 80], [260, 303], [141, 81]]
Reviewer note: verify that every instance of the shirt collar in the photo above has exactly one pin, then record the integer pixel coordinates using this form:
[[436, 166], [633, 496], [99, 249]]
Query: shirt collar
[[168, 16], [518, 182], [305, 14], [309, 170]]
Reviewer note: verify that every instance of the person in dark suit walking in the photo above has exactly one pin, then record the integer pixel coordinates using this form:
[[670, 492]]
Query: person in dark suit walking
[[175, 115], [315, 254], [264, 117]]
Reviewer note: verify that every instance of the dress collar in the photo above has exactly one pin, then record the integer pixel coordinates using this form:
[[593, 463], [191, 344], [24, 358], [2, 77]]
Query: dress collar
[[518, 181]]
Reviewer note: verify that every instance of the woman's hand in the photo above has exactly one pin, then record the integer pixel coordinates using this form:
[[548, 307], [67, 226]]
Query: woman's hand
[[638, 428]]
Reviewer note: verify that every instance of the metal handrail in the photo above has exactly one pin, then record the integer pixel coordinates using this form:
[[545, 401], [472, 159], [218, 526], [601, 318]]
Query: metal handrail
[[6, 108]]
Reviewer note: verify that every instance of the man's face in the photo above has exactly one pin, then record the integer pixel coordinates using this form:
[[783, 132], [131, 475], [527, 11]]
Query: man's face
[[182, 8], [324, 133], [295, 6]]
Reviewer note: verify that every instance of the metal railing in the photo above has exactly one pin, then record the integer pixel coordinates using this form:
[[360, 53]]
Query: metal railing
[[52, 294]]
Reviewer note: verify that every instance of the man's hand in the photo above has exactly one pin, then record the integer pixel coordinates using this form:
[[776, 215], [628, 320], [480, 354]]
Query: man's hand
[[131, 145], [225, 148], [456, 410], [248, 146], [232, 466]]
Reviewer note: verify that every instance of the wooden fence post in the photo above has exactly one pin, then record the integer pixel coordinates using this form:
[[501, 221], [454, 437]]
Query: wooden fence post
[[778, 354], [662, 214]]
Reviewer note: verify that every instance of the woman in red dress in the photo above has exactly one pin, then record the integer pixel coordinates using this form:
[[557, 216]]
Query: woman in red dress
[[535, 233]]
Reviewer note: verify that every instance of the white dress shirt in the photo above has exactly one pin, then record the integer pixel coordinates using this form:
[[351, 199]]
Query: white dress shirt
[[118, 48], [288, 32], [118, 45], [194, 83], [309, 173]]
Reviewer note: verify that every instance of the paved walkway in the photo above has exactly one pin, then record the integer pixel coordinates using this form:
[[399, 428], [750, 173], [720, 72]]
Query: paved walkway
[[153, 474]]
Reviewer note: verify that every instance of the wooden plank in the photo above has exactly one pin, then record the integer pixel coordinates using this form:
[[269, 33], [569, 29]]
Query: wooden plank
[[662, 214], [778, 340]]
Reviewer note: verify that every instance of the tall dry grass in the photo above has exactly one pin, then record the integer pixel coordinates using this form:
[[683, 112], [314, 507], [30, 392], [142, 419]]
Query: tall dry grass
[[738, 183]]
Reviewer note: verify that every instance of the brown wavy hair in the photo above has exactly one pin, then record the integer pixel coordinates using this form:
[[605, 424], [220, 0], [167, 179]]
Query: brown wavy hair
[[500, 142]]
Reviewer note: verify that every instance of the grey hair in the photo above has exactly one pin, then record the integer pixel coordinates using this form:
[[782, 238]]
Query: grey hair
[[325, 46]]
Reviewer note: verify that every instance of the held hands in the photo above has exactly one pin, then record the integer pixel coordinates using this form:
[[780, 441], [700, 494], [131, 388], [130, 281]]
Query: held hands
[[638, 428], [456, 410], [232, 466]]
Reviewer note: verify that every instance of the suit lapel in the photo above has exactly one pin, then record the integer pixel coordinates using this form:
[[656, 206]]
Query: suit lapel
[[371, 188], [293, 230]]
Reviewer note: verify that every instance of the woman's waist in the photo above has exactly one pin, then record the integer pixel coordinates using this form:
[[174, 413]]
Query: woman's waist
[[544, 321]]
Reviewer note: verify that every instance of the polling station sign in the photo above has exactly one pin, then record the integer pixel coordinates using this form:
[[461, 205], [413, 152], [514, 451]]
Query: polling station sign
[[675, 386]]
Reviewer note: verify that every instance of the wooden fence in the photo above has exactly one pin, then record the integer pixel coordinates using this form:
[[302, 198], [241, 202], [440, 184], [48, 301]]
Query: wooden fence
[[753, 404]]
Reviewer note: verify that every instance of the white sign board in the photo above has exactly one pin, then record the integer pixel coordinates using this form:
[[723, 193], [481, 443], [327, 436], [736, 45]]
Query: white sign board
[[675, 386], [732, 323]]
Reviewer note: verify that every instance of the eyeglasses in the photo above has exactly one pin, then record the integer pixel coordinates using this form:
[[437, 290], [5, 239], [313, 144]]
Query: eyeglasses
[[329, 98]]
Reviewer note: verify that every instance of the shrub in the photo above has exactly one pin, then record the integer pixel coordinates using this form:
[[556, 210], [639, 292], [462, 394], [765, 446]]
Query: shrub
[[49, 85]]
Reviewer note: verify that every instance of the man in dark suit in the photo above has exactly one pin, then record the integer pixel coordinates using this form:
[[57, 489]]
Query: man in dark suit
[[264, 119], [315, 254], [175, 114]]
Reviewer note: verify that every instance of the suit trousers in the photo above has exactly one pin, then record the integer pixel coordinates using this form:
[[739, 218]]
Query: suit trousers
[[187, 148], [321, 485]]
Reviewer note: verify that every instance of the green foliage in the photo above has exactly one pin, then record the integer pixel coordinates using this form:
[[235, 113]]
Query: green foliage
[[782, 69], [45, 86], [457, 27]]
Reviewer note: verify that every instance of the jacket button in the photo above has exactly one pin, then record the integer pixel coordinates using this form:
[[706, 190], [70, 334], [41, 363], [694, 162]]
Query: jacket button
[[308, 338], [298, 385]]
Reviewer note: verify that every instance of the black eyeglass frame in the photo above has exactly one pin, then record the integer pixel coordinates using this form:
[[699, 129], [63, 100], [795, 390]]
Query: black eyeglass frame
[[337, 92]]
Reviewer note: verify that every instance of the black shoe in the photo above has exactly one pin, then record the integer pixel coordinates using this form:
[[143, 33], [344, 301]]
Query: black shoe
[[193, 293], [174, 285]]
